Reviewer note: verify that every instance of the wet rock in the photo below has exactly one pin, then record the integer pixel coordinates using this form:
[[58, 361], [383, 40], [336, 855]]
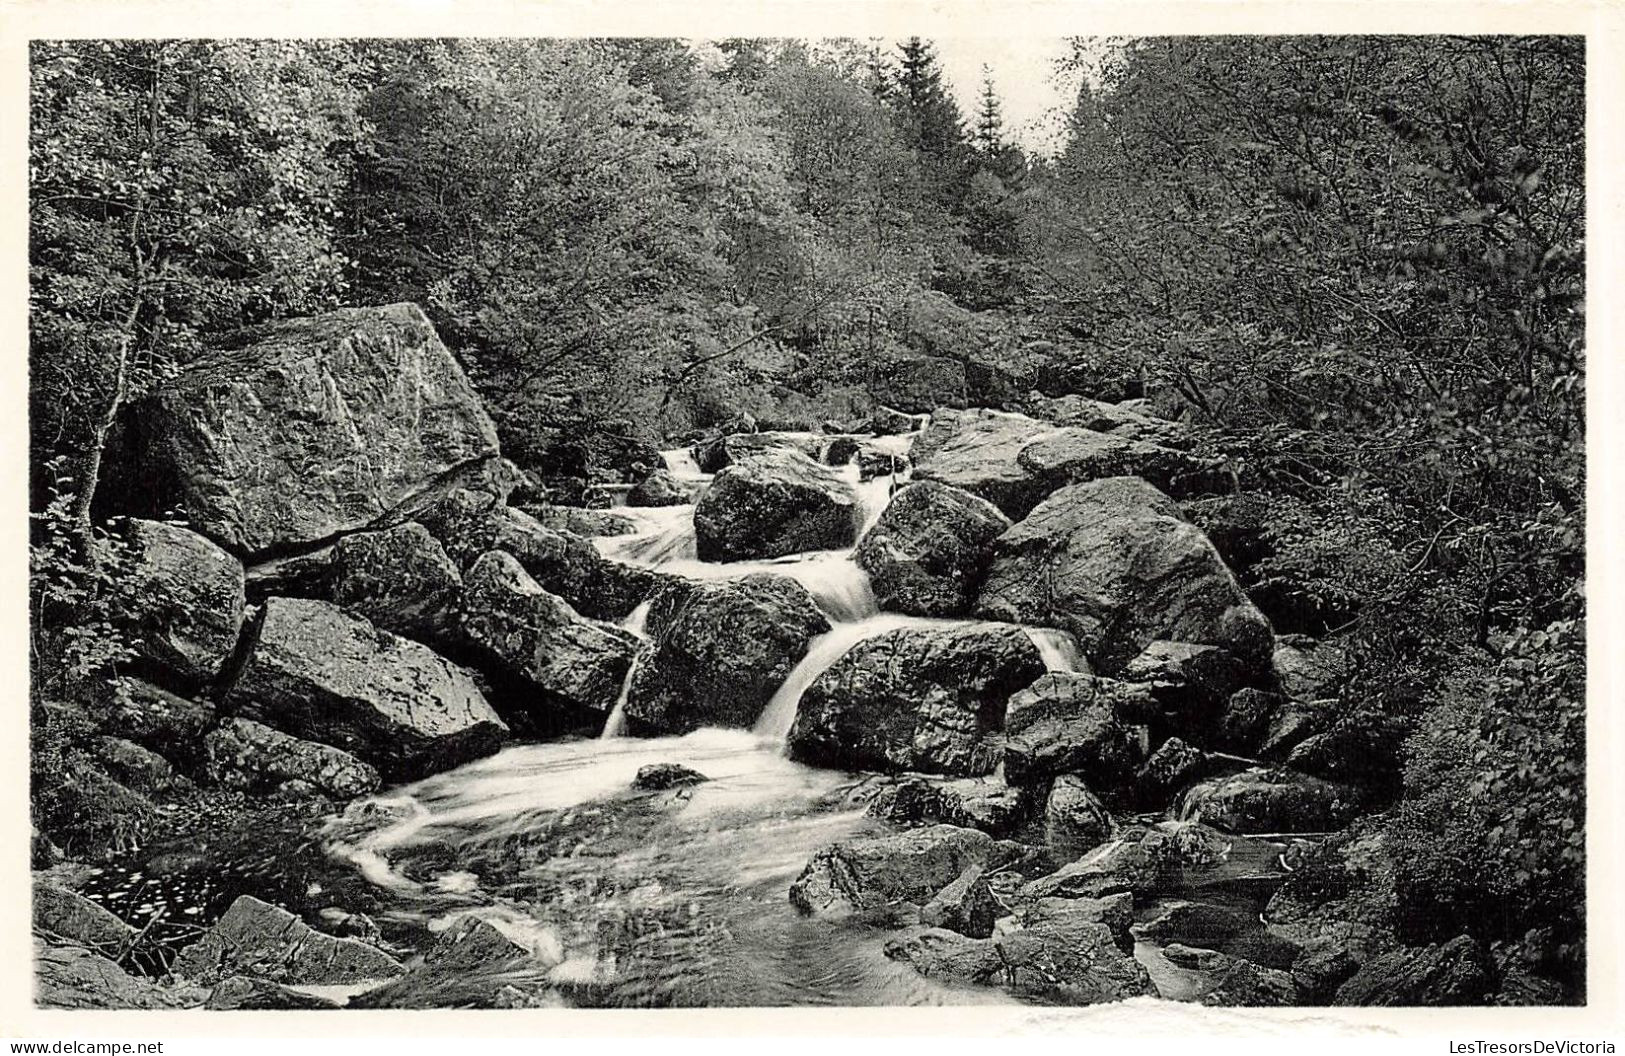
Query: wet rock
[[1066, 960], [185, 605], [1325, 963], [1232, 931], [973, 802], [65, 916], [885, 421], [1137, 860], [73, 977], [248, 755], [722, 452], [1191, 683], [1309, 670], [926, 553], [930, 699], [722, 648], [400, 579], [589, 524], [978, 451], [325, 676], [873, 873], [469, 524], [574, 665], [470, 965], [241, 993], [1116, 912], [657, 777], [1256, 801], [1066, 723], [1075, 456], [876, 463], [132, 765], [1075, 820], [1170, 768], [1459, 972], [1245, 719], [1247, 985], [1113, 563], [274, 444], [659, 488], [967, 905], [258, 939], [771, 503], [1364, 747], [1194, 958]]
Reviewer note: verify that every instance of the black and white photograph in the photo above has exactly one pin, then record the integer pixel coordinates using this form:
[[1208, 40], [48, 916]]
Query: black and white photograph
[[566, 523]]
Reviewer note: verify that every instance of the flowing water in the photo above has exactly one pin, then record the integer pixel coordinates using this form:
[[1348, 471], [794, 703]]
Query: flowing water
[[655, 898]]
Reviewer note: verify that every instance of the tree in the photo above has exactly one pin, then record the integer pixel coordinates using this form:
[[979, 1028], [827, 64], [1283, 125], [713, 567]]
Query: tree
[[178, 189], [989, 137]]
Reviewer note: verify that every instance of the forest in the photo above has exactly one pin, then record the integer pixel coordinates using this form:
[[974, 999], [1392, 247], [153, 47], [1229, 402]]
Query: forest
[[1350, 269]]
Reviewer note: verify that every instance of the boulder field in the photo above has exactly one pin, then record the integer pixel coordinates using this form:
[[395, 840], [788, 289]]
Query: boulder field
[[1068, 706]]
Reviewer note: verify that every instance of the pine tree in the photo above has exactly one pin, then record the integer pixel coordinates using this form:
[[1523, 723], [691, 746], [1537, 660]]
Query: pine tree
[[931, 120], [989, 119]]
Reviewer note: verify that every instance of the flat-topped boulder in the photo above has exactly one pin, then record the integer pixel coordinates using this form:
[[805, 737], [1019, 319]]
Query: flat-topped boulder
[[929, 698], [185, 603], [309, 428], [722, 649], [255, 938], [1268, 801], [323, 675], [873, 873], [774, 502], [1113, 562], [573, 666], [926, 554], [1014, 461]]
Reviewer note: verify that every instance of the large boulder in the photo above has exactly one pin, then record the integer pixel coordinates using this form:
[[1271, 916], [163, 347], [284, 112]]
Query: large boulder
[[722, 648], [258, 939], [1261, 801], [251, 756], [469, 523], [926, 553], [400, 579], [1113, 562], [1064, 959], [1069, 723], [1074, 819], [1014, 461], [916, 383], [574, 666], [873, 873], [67, 916], [185, 602], [659, 488], [1129, 420], [316, 672], [722, 452], [309, 429], [72, 977], [1459, 972], [967, 905], [978, 451], [981, 803], [928, 698], [774, 502]]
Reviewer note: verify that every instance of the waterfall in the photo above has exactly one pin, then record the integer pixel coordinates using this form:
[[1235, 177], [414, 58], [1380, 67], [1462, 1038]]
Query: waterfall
[[636, 621], [680, 464], [1058, 649], [780, 714]]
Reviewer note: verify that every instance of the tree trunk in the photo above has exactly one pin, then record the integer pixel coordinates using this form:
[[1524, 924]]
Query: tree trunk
[[90, 464]]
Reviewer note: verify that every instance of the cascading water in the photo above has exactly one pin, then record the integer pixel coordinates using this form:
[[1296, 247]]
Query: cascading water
[[637, 621], [662, 898]]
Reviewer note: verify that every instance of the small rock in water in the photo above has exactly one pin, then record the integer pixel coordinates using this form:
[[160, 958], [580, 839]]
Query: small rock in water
[[657, 777], [1194, 957]]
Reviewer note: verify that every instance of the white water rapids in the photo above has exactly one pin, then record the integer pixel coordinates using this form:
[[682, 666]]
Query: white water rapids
[[630, 898]]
